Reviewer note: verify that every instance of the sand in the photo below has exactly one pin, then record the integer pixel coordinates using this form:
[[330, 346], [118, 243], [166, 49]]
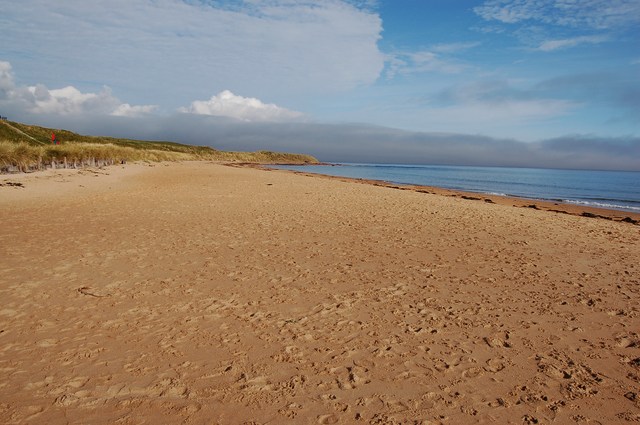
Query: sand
[[199, 293]]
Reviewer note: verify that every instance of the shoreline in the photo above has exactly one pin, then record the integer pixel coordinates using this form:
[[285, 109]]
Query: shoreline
[[537, 204], [14, 180]]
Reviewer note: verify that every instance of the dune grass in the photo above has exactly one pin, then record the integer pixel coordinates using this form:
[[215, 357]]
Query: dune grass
[[26, 147], [27, 157]]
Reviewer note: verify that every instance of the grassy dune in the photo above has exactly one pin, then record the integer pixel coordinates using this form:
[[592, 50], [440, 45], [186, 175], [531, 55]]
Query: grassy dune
[[27, 147]]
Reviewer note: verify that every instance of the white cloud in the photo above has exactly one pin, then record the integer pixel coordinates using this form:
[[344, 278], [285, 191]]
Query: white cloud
[[69, 100], [126, 110], [6, 79], [227, 104], [38, 99], [551, 45]]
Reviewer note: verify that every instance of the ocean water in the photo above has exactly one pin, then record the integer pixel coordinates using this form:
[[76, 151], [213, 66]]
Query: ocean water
[[604, 189]]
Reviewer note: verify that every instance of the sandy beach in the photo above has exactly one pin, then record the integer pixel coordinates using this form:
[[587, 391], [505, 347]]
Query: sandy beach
[[202, 294]]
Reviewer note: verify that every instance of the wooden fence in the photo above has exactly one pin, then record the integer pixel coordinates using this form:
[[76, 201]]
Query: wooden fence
[[58, 164]]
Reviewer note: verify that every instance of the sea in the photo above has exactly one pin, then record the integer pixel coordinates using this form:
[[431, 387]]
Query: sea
[[619, 190]]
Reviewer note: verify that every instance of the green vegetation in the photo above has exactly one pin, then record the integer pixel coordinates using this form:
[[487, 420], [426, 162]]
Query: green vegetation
[[27, 147]]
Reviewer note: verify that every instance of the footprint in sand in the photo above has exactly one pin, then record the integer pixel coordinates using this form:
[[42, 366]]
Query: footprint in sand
[[473, 372], [498, 341], [495, 365], [327, 419]]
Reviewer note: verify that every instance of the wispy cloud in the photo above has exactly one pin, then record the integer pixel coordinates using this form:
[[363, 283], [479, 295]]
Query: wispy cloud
[[550, 25], [500, 118], [620, 93], [551, 45], [439, 58], [501, 99], [595, 14], [227, 104], [454, 47], [405, 63]]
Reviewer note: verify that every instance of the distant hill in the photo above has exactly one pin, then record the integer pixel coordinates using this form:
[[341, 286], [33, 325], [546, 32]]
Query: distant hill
[[29, 147]]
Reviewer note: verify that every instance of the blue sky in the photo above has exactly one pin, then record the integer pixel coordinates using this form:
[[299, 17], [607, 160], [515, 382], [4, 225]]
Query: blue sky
[[489, 82]]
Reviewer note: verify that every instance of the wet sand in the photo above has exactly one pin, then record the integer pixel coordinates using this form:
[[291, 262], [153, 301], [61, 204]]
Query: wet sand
[[199, 293]]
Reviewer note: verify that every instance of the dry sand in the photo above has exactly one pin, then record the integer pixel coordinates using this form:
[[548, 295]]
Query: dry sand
[[199, 293]]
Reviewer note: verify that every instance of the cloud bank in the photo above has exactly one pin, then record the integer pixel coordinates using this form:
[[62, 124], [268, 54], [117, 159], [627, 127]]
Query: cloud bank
[[369, 143]]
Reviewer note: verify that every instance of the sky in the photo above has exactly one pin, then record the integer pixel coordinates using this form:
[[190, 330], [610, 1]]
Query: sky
[[541, 83]]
